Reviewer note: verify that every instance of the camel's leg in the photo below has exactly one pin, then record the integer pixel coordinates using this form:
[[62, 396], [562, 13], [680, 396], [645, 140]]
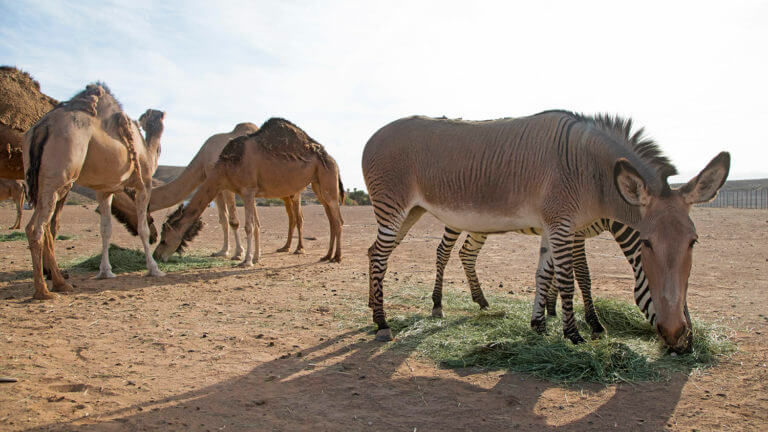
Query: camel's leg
[[53, 228], [18, 198], [221, 207], [35, 230], [291, 223], [105, 228], [251, 230], [327, 193], [142, 201], [298, 217], [234, 222]]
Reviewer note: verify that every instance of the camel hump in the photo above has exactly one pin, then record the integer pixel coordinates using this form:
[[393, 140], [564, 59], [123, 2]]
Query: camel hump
[[87, 100]]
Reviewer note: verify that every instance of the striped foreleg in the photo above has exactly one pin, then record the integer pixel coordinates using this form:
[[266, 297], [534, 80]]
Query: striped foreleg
[[561, 240], [443, 255], [544, 287], [468, 255], [581, 271]]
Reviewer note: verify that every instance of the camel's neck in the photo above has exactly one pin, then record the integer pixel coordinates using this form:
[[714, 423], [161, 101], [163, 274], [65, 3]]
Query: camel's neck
[[177, 190]]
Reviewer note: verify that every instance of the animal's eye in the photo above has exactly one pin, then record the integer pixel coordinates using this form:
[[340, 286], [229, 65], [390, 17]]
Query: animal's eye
[[647, 244], [693, 242]]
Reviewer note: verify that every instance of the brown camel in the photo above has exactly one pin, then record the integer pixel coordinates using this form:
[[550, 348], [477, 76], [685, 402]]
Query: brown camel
[[91, 141], [278, 160], [13, 189], [201, 166]]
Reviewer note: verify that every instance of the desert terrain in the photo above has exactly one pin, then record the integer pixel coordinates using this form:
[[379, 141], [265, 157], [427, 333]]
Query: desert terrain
[[271, 348]]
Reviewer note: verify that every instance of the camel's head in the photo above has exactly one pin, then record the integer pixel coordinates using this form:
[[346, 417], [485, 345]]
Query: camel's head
[[176, 234], [152, 121]]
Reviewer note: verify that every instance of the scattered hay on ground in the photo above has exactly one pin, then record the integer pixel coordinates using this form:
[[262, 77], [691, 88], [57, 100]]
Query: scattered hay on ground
[[125, 260], [13, 236], [501, 338]]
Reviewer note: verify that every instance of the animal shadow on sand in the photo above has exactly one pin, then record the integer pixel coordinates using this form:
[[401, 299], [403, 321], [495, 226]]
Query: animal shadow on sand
[[350, 382]]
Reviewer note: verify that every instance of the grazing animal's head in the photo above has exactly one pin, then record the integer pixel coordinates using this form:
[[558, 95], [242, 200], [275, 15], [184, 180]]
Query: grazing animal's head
[[174, 237], [668, 235]]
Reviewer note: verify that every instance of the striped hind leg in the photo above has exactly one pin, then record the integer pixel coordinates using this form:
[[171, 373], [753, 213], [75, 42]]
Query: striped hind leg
[[443, 255], [468, 255], [581, 271], [392, 228], [546, 292]]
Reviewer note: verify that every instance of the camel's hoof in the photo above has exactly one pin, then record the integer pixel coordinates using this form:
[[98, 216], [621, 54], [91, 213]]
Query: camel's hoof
[[236, 257], [336, 259], [219, 254], [597, 334], [283, 249], [156, 273], [299, 251], [64, 287], [325, 258], [44, 295], [437, 312], [245, 264], [105, 275], [384, 335]]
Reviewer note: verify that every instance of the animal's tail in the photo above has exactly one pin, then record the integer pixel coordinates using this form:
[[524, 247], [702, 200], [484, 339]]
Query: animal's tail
[[341, 192], [38, 136]]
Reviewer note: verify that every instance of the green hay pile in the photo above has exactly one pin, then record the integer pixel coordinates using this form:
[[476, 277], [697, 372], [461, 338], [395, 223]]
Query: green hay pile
[[501, 338], [13, 236], [19, 236], [131, 260]]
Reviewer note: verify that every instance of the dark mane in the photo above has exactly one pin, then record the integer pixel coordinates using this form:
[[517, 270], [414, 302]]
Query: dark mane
[[279, 137], [621, 129], [174, 220]]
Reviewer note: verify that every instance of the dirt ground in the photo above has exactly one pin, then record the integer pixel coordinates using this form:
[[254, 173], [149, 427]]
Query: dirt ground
[[262, 348]]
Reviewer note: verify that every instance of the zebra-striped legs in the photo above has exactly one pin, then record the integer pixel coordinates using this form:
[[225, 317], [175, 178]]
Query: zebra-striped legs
[[561, 241], [443, 254], [468, 255], [392, 229]]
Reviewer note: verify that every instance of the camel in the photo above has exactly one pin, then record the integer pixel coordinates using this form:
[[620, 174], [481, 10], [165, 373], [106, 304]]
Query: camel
[[88, 140], [201, 166], [13, 189], [278, 160]]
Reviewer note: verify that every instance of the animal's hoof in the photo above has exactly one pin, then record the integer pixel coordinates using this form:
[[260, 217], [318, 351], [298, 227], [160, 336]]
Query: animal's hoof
[[156, 273], [245, 264], [105, 275], [576, 338], [44, 295], [236, 257], [384, 335], [299, 251], [282, 249], [597, 335], [325, 258], [219, 254], [539, 327], [437, 312], [483, 303], [336, 259], [63, 287]]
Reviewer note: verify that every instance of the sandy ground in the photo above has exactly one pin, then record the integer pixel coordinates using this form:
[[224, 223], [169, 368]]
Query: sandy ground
[[262, 349]]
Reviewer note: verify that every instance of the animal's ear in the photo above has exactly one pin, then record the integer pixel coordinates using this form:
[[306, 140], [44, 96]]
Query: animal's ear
[[630, 183], [705, 186]]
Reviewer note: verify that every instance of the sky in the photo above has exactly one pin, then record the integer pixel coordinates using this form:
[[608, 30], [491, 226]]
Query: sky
[[694, 74]]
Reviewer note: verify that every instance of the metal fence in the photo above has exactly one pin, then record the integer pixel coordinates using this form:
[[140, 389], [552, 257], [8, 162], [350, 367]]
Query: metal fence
[[746, 199]]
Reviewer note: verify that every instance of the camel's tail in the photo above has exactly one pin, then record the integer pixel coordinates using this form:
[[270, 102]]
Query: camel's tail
[[341, 192], [38, 136]]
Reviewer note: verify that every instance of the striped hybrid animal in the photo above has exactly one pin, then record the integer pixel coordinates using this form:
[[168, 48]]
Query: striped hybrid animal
[[627, 238], [556, 171]]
